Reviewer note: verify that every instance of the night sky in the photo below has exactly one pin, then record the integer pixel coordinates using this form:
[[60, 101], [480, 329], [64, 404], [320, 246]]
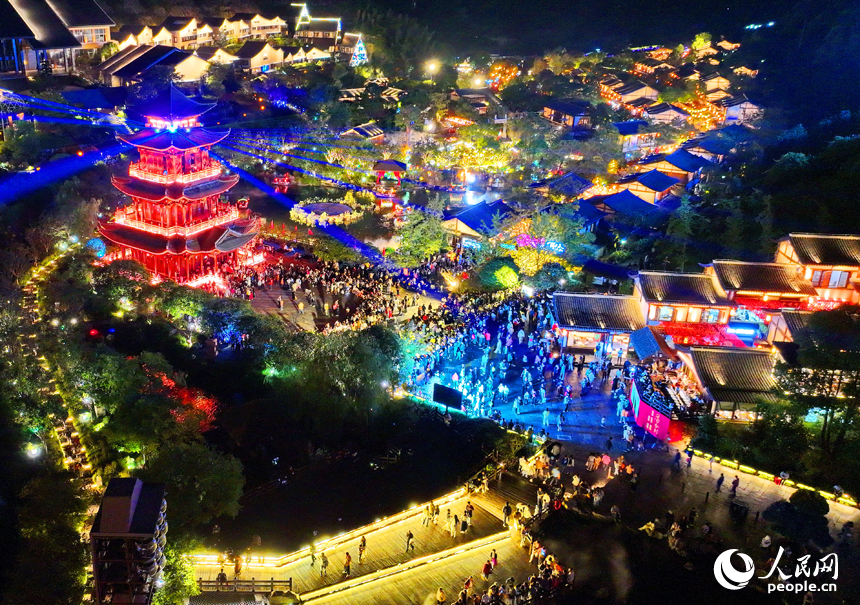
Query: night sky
[[531, 26]]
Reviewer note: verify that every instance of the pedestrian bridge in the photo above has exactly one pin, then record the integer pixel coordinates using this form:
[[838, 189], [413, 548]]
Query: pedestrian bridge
[[388, 572]]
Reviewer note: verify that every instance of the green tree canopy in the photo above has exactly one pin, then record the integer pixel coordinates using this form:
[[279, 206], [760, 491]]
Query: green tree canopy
[[201, 483]]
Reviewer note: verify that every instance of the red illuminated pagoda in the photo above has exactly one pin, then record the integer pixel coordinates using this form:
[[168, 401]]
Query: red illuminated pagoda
[[177, 224]]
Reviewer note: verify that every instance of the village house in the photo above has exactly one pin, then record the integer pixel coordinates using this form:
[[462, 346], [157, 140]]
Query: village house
[[389, 94], [711, 148], [635, 138], [258, 56], [666, 113], [215, 55], [46, 36], [830, 262], [161, 36], [307, 54], [717, 95], [240, 29], [347, 45], [739, 110], [762, 291], [681, 298], [183, 31], [262, 26], [322, 32], [86, 21], [745, 72], [633, 91], [133, 35], [649, 66], [468, 227], [623, 211], [706, 51], [368, 132], [650, 186], [586, 320], [687, 72], [572, 113], [732, 380], [296, 15], [680, 164], [715, 81], [128, 66], [213, 31], [728, 46]]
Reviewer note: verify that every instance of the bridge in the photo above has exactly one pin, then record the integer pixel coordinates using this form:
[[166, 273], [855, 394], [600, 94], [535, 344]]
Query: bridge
[[389, 573]]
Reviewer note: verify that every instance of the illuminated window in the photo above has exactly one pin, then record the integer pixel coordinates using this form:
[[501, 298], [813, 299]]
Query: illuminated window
[[666, 313], [710, 316], [838, 279]]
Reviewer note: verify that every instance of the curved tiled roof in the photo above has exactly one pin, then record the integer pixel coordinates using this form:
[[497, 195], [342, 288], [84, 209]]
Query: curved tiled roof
[[762, 277], [180, 140], [733, 374], [597, 313], [683, 288], [817, 249], [156, 192], [173, 104]]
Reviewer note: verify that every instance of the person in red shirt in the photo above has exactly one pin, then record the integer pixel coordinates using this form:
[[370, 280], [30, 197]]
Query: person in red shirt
[[486, 570]]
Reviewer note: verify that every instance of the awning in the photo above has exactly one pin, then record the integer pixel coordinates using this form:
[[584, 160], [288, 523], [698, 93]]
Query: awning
[[649, 342]]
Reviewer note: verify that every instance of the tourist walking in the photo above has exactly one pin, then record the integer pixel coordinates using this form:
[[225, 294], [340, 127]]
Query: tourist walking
[[735, 483], [410, 541], [440, 596], [720, 483], [506, 513], [347, 562], [616, 513], [323, 565], [486, 570], [362, 547]]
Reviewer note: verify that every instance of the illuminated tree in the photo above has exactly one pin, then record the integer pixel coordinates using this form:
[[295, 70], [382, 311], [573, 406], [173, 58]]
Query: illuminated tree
[[702, 40], [421, 234], [359, 55]]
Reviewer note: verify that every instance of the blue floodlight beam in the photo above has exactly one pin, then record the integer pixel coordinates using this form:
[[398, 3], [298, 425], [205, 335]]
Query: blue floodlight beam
[[436, 188], [333, 231], [307, 159], [298, 169], [36, 104], [24, 183], [76, 122], [304, 141], [270, 149]]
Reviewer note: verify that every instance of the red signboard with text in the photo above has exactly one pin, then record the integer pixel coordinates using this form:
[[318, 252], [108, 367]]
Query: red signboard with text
[[652, 421]]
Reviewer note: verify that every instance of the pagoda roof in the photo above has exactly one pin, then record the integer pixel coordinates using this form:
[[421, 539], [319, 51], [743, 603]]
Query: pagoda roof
[[389, 166], [173, 104], [222, 238], [156, 192], [162, 140]]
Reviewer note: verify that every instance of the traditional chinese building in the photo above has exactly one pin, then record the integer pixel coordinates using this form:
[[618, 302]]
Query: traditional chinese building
[[177, 223]]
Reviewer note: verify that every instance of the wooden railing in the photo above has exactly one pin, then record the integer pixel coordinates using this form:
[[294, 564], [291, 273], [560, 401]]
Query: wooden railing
[[140, 171], [252, 585], [229, 215]]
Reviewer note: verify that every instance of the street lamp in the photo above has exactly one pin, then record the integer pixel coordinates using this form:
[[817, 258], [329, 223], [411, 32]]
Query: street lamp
[[432, 68]]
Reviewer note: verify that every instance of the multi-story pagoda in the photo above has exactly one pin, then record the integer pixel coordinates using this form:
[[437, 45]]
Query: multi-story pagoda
[[177, 224]]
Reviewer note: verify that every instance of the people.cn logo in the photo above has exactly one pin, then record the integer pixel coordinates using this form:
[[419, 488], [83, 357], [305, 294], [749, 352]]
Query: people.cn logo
[[728, 576]]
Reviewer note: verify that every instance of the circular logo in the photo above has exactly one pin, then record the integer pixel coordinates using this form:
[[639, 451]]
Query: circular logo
[[730, 577]]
